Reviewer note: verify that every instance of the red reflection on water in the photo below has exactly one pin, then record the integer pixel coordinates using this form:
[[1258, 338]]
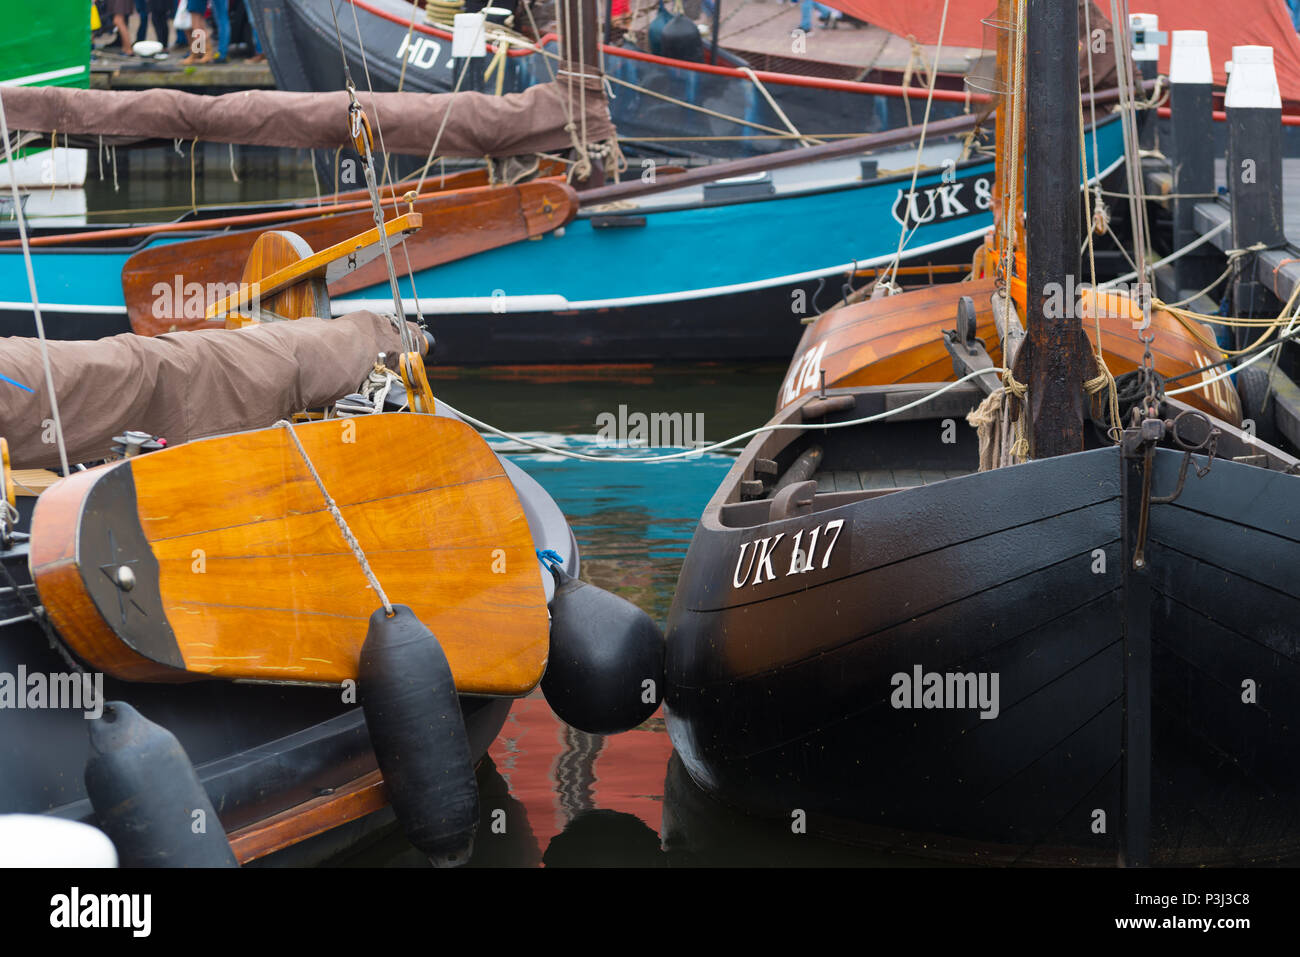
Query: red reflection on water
[[557, 772]]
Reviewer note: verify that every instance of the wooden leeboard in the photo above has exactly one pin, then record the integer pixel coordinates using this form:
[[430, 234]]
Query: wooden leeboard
[[241, 572], [168, 286]]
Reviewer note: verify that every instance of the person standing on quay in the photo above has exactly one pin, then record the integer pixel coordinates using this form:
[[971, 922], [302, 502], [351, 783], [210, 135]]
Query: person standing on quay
[[201, 35]]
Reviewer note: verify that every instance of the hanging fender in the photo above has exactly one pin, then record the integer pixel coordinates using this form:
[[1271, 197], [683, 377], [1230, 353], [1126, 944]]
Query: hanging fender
[[606, 668]]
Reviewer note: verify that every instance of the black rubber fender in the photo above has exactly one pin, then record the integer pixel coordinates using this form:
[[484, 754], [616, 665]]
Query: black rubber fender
[[146, 796], [606, 668], [417, 730]]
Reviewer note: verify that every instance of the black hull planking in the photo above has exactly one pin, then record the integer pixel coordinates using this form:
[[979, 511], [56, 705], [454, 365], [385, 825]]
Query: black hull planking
[[780, 693]]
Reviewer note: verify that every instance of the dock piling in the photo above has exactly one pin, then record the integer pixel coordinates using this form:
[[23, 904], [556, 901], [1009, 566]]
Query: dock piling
[[1146, 38], [1191, 96], [1254, 171]]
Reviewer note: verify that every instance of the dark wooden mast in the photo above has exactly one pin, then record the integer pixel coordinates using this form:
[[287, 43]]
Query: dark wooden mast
[[1057, 354]]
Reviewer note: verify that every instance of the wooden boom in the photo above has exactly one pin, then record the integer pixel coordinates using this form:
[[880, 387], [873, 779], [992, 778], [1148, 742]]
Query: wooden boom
[[220, 558]]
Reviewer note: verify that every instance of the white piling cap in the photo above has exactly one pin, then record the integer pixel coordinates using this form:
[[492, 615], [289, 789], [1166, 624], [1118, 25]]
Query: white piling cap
[[1189, 57], [468, 36], [38, 840], [1253, 81], [1144, 21]]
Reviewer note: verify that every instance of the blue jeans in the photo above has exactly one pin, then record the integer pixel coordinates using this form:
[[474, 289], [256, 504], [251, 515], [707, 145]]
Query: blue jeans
[[142, 8], [221, 14], [252, 25], [806, 13]]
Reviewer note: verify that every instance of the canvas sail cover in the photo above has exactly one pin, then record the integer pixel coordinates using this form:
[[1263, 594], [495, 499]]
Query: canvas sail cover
[[477, 124], [1243, 23], [182, 385]]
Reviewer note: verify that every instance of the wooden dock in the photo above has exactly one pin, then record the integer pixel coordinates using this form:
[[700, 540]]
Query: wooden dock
[[114, 72]]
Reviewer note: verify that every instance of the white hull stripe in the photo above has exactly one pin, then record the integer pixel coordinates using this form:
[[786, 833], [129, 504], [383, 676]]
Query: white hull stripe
[[556, 303], [43, 77]]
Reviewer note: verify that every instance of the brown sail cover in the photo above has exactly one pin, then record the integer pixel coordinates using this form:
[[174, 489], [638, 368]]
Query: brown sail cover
[[480, 124], [182, 385]]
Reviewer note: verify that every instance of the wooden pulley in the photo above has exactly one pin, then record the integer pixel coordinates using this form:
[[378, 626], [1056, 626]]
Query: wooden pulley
[[7, 474], [360, 129], [418, 391]]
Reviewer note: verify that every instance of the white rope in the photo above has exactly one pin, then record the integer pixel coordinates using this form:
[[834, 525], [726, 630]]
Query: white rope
[[887, 278], [31, 285], [776, 108], [692, 453], [338, 518], [1177, 253]]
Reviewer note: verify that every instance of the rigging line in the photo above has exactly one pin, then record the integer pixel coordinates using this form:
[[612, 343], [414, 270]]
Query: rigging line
[[1092, 92], [1176, 254], [1226, 361], [1133, 162], [406, 46], [713, 447], [446, 115], [920, 145], [547, 56], [776, 108], [339, 520], [379, 125], [31, 285], [1014, 207]]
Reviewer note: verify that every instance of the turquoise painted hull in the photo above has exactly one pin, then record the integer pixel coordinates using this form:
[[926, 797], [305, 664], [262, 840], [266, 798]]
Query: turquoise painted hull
[[630, 259]]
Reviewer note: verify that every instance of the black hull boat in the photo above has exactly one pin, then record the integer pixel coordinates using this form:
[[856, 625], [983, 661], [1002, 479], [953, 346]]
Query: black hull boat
[[301, 45], [958, 664]]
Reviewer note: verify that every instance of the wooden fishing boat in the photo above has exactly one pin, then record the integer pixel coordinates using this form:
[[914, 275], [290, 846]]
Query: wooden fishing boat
[[792, 225], [1056, 661], [216, 590], [655, 95], [289, 768]]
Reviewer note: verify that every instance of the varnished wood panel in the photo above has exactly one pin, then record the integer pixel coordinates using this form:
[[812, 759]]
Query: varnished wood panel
[[257, 582], [899, 339], [355, 800]]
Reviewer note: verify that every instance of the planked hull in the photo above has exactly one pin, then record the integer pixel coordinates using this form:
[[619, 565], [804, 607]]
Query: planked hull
[[785, 694], [303, 50], [899, 339], [289, 768]]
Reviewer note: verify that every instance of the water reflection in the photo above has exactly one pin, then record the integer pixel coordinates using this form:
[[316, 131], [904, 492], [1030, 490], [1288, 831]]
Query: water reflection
[[551, 795]]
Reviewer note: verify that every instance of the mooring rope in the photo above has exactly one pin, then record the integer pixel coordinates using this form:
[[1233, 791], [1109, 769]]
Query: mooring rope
[[31, 285], [339, 520], [713, 447], [887, 281]]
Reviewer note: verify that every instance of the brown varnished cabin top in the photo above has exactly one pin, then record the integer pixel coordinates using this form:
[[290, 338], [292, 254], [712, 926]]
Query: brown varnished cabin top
[[899, 339]]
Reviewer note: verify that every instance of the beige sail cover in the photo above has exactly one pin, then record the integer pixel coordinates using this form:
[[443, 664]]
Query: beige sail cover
[[479, 124], [182, 385]]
